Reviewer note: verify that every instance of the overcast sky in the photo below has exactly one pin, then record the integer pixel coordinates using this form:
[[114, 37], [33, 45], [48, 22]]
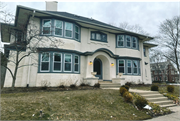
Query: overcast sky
[[148, 15]]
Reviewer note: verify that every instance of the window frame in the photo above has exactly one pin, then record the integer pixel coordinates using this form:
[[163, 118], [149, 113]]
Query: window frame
[[67, 62], [68, 30], [136, 67], [120, 66], [58, 28], [95, 36], [45, 61], [135, 42], [54, 62], [77, 33], [144, 51], [119, 40], [129, 41], [50, 33], [76, 63], [130, 67]]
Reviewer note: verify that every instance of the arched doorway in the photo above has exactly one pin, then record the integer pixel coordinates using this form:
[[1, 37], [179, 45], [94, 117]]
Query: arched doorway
[[97, 67]]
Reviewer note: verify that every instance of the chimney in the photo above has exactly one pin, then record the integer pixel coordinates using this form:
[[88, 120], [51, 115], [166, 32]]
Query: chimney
[[51, 5]]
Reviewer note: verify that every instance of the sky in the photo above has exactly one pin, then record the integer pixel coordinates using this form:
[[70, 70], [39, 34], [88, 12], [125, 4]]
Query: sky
[[148, 15]]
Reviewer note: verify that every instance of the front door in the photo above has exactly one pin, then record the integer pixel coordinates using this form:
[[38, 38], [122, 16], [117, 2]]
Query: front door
[[97, 67]]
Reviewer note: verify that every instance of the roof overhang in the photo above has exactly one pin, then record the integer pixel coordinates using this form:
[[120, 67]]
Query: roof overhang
[[149, 45]]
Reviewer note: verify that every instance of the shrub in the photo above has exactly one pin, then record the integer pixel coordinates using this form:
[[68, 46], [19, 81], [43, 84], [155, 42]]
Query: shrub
[[170, 88], [122, 90], [128, 96], [44, 88], [82, 84], [140, 102], [154, 88], [61, 86], [97, 85], [72, 86], [126, 86]]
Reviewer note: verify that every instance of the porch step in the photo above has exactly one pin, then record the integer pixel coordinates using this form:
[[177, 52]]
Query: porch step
[[168, 105], [109, 85], [156, 99]]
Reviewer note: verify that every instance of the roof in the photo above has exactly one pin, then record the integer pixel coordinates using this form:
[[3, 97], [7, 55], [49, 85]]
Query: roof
[[149, 45]]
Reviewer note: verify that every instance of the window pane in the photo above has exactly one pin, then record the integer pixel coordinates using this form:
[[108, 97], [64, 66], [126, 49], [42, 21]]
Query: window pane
[[76, 29], [68, 26], [68, 33], [57, 66], [129, 63], [45, 66], [104, 38], [46, 30], [76, 67], [76, 35], [47, 23], [45, 56], [67, 58], [128, 39], [121, 69], [120, 40], [129, 70], [93, 35], [58, 31], [135, 64], [121, 62], [134, 42], [98, 36], [67, 66], [57, 57], [135, 70], [76, 59], [58, 24]]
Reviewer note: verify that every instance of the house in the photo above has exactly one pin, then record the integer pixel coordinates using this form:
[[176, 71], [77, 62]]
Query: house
[[164, 72], [88, 46]]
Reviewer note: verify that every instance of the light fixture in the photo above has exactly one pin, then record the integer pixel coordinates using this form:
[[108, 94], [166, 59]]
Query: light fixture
[[112, 64], [90, 63]]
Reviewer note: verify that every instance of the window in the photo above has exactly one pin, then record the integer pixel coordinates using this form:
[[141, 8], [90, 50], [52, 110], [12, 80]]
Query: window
[[120, 40], [129, 66], [76, 32], [45, 62], [121, 66], [46, 26], [128, 41], [135, 66], [76, 63], [19, 36], [67, 62], [144, 50], [57, 62], [134, 42], [98, 36], [68, 29], [58, 27]]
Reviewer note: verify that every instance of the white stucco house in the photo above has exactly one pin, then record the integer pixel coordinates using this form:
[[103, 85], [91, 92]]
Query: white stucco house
[[89, 46]]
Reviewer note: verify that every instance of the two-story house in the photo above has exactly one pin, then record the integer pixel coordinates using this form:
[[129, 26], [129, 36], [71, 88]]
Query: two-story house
[[88, 46]]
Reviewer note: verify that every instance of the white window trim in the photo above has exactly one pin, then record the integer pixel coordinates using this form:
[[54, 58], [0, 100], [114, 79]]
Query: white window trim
[[50, 26], [76, 32], [76, 63], [45, 61], [135, 42], [135, 67], [129, 42], [68, 62], [127, 66], [58, 62], [121, 66], [57, 27], [118, 40], [68, 30]]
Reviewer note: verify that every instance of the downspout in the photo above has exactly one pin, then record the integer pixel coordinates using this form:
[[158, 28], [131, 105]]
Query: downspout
[[29, 68], [142, 55]]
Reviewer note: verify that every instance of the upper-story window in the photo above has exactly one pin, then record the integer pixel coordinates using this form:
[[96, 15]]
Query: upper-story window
[[127, 41], [144, 50], [46, 27], [120, 40], [68, 29], [61, 28], [58, 27], [98, 36]]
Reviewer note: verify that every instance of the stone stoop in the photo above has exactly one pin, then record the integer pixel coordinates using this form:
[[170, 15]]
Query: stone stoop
[[109, 84], [155, 97]]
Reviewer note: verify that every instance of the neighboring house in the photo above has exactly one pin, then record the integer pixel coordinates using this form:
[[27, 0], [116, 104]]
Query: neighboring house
[[164, 71], [89, 46]]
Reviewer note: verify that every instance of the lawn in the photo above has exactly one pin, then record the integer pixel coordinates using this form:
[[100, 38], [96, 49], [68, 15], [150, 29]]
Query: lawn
[[68, 105], [162, 89]]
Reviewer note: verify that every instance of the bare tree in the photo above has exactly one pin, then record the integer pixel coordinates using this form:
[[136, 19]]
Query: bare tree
[[133, 28], [25, 41]]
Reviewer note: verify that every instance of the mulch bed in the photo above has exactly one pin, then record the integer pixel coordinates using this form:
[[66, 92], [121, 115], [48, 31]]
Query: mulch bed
[[47, 89]]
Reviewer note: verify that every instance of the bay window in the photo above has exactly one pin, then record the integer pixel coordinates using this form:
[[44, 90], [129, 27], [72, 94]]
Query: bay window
[[58, 27], [121, 66], [120, 40], [134, 42], [128, 41], [57, 62], [76, 63], [129, 66], [135, 67], [45, 59], [46, 26], [67, 62], [68, 29], [76, 32]]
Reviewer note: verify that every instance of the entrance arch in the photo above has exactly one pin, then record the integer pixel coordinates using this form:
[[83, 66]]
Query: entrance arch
[[97, 67]]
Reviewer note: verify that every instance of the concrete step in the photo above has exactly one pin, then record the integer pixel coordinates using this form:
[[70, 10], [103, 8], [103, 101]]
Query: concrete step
[[102, 82], [152, 95], [148, 92], [157, 99], [165, 102], [109, 85], [168, 105]]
